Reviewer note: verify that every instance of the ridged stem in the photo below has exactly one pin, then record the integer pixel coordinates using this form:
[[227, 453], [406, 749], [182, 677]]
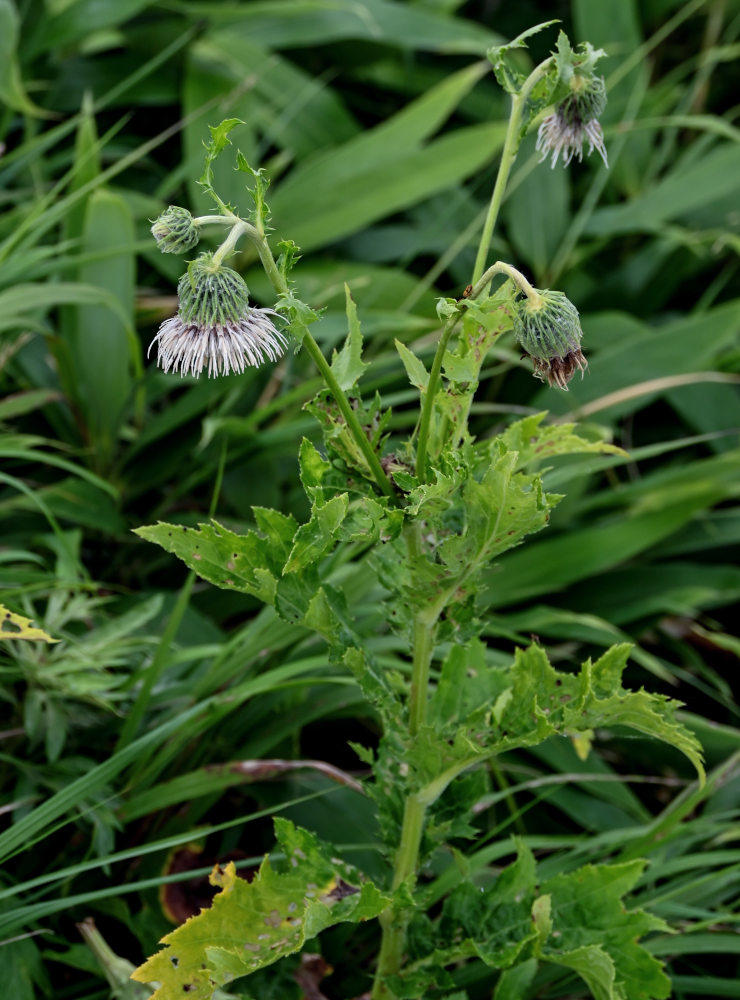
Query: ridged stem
[[508, 156], [241, 228]]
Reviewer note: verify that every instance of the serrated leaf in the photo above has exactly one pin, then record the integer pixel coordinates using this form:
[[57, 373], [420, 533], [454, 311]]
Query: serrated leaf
[[15, 626], [347, 364], [313, 539], [577, 920], [597, 936], [480, 710], [219, 141], [506, 69], [534, 442], [251, 563], [252, 924], [417, 373], [258, 191]]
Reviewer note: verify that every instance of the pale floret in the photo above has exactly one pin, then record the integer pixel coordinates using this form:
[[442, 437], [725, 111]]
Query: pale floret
[[557, 137], [188, 348]]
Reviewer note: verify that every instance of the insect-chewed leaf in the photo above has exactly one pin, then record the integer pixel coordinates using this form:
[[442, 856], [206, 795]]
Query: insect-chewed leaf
[[534, 442], [15, 626], [577, 920], [480, 710], [251, 562], [252, 924]]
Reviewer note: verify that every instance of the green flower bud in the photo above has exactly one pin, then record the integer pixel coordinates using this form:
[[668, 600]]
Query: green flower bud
[[175, 231], [548, 329], [215, 326]]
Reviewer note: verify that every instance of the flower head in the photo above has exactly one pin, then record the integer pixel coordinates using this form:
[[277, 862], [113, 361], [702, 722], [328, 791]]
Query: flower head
[[548, 329], [175, 231], [574, 122], [215, 325]]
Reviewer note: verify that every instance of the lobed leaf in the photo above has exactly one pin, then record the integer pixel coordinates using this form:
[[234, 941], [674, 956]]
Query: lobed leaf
[[252, 924], [15, 626]]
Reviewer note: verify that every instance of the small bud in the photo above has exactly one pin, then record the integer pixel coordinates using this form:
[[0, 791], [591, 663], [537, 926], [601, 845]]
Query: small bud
[[575, 120], [175, 231], [549, 331], [215, 325]]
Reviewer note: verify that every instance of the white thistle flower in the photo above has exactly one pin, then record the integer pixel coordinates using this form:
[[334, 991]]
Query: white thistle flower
[[574, 122], [215, 327]]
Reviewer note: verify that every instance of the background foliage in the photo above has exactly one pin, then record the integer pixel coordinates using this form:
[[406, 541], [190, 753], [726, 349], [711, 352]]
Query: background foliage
[[128, 749]]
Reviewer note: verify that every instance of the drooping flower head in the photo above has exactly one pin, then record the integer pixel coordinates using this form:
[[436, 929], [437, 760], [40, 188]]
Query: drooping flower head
[[175, 230], [575, 121], [215, 326], [548, 328]]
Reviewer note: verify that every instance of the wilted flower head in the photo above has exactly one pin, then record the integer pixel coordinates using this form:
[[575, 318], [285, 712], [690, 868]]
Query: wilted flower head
[[548, 329], [175, 231], [215, 325], [574, 122]]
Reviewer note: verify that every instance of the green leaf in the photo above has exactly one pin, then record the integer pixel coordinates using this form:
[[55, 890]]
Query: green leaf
[[104, 351], [417, 373], [514, 983], [12, 91], [506, 69], [533, 442], [300, 23], [577, 920], [313, 539], [251, 563], [348, 365], [219, 141], [252, 924], [479, 710], [597, 937]]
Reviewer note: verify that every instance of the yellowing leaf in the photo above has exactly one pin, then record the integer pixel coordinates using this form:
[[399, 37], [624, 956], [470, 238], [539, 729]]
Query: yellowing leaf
[[253, 924], [14, 626]]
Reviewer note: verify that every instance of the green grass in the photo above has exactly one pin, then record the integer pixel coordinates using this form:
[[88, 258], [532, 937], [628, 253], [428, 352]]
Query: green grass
[[380, 126]]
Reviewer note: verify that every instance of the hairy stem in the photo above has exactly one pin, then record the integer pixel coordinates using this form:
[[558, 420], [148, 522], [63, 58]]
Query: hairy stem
[[511, 272], [508, 156], [241, 228], [394, 922]]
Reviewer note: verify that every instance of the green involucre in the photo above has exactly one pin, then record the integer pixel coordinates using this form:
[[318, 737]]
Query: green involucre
[[175, 231], [210, 296]]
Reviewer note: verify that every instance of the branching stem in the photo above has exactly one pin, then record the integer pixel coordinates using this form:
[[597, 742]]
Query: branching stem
[[241, 228]]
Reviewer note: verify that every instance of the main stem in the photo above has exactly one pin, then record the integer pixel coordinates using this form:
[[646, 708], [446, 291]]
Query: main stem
[[241, 228], [394, 922]]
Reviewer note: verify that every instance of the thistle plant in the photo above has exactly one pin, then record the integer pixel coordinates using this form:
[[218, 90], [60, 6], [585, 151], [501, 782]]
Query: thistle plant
[[426, 520]]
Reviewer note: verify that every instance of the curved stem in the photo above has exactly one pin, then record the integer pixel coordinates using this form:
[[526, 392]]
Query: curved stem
[[511, 272], [242, 228], [508, 155]]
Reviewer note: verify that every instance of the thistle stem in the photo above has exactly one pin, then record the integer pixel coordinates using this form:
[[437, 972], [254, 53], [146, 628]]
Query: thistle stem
[[241, 228], [508, 156], [511, 272], [394, 922]]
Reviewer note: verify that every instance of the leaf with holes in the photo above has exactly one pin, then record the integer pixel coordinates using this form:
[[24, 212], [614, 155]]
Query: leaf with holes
[[253, 924]]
